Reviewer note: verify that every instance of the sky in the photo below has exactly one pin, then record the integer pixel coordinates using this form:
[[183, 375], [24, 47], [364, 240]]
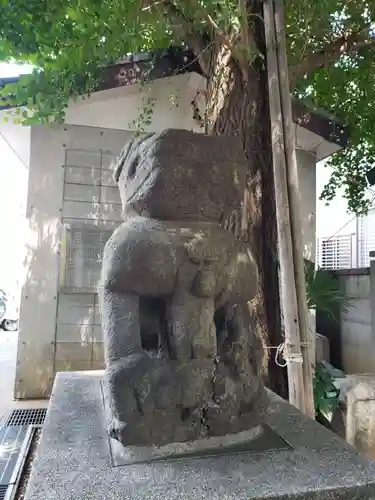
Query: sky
[[12, 69]]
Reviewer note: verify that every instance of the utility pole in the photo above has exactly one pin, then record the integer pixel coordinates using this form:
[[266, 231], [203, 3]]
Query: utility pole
[[298, 344]]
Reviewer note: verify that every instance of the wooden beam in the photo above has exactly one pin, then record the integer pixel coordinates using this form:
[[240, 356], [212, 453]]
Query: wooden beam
[[289, 224], [307, 338]]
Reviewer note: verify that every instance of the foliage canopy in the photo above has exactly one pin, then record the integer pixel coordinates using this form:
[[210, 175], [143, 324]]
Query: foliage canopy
[[331, 46]]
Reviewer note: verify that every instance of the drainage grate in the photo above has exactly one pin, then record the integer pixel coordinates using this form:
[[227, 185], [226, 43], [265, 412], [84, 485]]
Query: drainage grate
[[17, 429], [3, 491], [11, 444], [3, 419], [30, 416]]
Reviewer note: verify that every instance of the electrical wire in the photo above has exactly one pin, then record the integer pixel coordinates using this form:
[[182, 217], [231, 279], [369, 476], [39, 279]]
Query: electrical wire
[[349, 221]]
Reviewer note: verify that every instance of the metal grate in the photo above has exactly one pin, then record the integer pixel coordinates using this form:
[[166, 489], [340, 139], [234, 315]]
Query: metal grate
[[30, 416], [90, 192], [3, 418], [16, 437], [83, 249], [92, 209], [3, 491], [11, 443]]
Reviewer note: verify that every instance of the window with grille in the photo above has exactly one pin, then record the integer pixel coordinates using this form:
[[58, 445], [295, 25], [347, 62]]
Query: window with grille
[[91, 211], [335, 252]]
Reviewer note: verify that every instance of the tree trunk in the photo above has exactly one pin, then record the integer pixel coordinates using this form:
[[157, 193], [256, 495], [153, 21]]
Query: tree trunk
[[237, 104]]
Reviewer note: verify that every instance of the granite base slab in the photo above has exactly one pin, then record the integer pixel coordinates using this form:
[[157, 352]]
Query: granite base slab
[[75, 459], [260, 438]]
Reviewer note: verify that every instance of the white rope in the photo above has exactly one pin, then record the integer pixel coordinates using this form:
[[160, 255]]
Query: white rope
[[289, 357], [280, 352]]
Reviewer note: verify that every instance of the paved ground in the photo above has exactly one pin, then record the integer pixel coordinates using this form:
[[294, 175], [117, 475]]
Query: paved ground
[[8, 355]]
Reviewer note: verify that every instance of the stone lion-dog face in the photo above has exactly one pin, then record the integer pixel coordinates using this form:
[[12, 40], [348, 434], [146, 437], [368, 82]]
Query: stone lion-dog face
[[180, 175]]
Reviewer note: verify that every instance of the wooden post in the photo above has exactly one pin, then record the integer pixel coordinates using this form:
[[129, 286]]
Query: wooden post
[[297, 336], [307, 347], [287, 275]]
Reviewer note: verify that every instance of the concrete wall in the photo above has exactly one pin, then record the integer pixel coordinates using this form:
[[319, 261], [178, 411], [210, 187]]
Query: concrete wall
[[70, 196], [357, 325]]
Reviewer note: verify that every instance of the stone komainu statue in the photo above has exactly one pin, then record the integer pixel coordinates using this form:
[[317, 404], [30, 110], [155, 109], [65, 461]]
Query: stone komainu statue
[[181, 353]]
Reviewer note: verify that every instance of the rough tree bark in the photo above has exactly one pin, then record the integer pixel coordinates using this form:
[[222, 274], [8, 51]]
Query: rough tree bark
[[237, 104]]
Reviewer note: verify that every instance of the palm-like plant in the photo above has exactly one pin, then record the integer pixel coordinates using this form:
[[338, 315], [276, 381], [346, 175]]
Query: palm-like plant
[[323, 291]]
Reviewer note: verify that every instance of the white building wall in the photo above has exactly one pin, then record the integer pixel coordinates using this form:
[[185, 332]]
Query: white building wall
[[14, 162], [120, 108], [306, 161], [365, 238], [34, 373], [42, 348]]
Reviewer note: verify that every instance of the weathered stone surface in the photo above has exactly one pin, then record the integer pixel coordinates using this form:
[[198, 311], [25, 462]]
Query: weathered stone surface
[[354, 420], [74, 461], [181, 353], [321, 348]]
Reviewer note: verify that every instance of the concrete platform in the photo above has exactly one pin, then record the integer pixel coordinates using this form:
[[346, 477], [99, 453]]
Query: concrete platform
[[74, 459]]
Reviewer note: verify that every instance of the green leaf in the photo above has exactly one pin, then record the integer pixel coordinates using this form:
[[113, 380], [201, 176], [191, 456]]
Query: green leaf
[[326, 395]]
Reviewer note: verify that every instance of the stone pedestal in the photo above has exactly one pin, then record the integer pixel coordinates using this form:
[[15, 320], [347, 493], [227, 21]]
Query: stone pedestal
[[322, 348], [354, 419], [287, 456]]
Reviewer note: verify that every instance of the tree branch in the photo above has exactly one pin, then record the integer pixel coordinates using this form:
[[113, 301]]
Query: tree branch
[[219, 33], [345, 45], [201, 14], [185, 26]]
